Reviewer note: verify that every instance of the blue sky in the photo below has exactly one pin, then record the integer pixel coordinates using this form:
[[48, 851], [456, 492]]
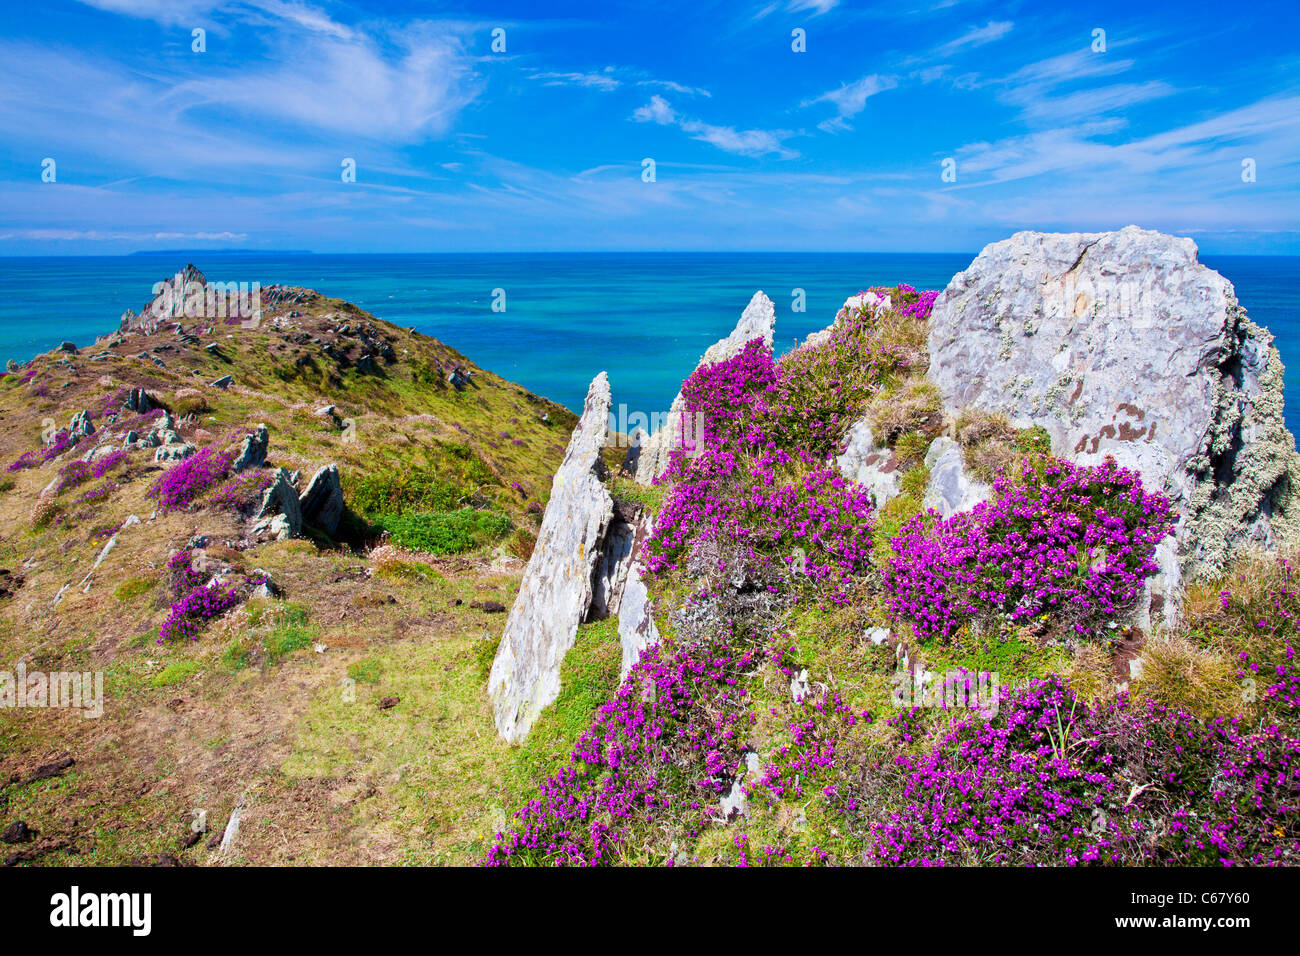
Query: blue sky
[[540, 147]]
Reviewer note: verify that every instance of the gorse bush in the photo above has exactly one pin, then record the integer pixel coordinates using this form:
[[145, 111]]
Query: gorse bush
[[1063, 538]]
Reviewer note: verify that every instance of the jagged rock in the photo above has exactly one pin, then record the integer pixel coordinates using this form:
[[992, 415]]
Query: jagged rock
[[280, 513], [168, 305], [81, 426], [322, 502], [174, 451], [69, 347], [873, 467], [224, 382], [366, 363], [635, 442], [252, 451], [758, 321], [139, 401], [1123, 344], [557, 588], [457, 379], [626, 530], [951, 489]]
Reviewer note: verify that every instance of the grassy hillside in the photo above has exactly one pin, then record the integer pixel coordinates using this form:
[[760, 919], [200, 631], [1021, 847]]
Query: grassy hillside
[[346, 713]]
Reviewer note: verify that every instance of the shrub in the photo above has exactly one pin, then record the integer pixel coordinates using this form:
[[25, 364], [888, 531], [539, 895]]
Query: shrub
[[450, 532], [1065, 538], [186, 480], [1054, 780]]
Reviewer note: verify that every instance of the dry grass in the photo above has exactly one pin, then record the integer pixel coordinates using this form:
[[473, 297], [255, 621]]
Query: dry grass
[[1178, 672], [915, 406]]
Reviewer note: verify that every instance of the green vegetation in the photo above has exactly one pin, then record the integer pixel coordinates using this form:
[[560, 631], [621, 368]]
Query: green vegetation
[[446, 532]]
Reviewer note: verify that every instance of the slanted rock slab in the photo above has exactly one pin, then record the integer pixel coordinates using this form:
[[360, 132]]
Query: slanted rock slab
[[557, 586]]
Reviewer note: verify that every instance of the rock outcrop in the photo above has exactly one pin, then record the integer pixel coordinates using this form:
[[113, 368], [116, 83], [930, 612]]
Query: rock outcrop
[[252, 450], [322, 503], [758, 321], [280, 514], [1123, 344], [951, 488], [558, 583], [873, 467]]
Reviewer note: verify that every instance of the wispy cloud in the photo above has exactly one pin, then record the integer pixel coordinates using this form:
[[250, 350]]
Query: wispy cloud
[[605, 81], [976, 36], [747, 142], [850, 100]]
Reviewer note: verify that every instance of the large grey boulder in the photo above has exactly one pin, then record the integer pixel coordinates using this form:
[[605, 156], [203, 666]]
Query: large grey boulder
[[758, 321], [322, 503], [1123, 344], [557, 587], [869, 465]]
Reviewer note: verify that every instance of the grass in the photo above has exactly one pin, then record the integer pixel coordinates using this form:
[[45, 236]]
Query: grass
[[289, 632], [176, 672], [452, 532], [132, 588]]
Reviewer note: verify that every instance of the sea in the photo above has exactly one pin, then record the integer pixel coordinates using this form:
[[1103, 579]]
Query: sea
[[551, 321]]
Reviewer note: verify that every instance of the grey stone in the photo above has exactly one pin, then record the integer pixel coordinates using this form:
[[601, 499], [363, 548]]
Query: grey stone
[[252, 451], [869, 465], [951, 489], [140, 401], [224, 382], [735, 803], [636, 623], [175, 451], [557, 586], [81, 426], [1123, 344], [322, 502], [279, 501], [758, 321]]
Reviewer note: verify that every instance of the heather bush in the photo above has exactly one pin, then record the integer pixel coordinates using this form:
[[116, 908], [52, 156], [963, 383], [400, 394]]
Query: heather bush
[[186, 480], [1056, 780], [658, 756], [72, 474], [242, 490], [1075, 541]]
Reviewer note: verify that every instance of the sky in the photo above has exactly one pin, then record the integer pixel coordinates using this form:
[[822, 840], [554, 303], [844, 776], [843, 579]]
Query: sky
[[782, 125]]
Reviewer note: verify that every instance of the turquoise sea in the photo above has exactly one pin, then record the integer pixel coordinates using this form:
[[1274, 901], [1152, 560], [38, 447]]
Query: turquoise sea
[[642, 317]]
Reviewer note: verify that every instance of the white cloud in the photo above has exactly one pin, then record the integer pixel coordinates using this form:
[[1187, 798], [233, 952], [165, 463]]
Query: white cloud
[[672, 87], [976, 36], [657, 110], [851, 99], [406, 89], [747, 142], [604, 82]]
